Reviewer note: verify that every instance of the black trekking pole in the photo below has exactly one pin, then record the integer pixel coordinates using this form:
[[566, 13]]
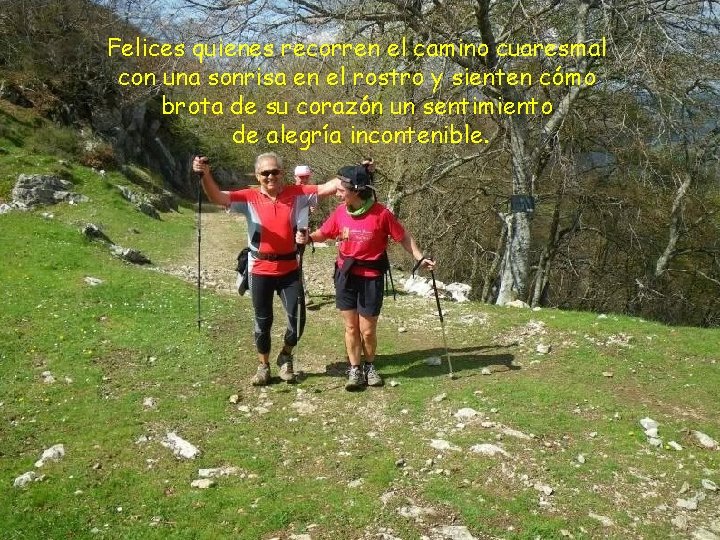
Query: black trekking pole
[[440, 314], [199, 240], [389, 272], [300, 300]]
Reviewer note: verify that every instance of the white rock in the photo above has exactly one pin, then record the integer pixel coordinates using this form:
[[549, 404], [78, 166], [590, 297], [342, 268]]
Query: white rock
[[433, 361], [299, 537], [234, 399], [48, 377], [243, 408], [24, 479], [54, 453], [687, 504], [649, 423], [488, 449], [439, 397], [402, 329], [542, 348], [486, 371], [393, 383], [303, 407], [415, 512], [581, 458], [675, 446], [604, 520], [142, 439], [452, 532], [517, 304], [93, 281], [418, 285], [149, 403], [465, 413], [441, 444], [356, 483], [706, 440], [202, 483], [680, 521], [654, 441], [459, 292], [179, 446], [652, 432], [543, 488], [510, 432], [608, 374], [704, 534], [709, 484], [218, 472]]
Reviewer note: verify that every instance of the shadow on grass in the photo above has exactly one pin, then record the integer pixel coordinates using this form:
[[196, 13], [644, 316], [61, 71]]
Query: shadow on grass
[[466, 362]]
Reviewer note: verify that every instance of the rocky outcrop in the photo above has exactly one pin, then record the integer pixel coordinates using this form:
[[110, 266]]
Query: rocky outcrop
[[140, 134], [34, 189]]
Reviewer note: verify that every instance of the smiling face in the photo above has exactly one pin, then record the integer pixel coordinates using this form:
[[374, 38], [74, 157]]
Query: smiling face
[[269, 175], [351, 198]]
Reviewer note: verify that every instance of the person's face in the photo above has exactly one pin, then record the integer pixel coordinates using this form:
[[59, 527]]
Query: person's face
[[302, 180], [269, 175], [349, 197]]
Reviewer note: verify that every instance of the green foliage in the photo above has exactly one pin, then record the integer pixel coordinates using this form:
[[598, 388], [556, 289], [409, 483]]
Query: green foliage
[[54, 139]]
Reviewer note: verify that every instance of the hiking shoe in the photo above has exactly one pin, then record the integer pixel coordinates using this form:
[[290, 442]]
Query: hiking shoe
[[262, 375], [285, 361], [372, 377], [356, 380]]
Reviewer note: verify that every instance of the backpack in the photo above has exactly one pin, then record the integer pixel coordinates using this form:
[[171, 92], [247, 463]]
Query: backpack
[[242, 270]]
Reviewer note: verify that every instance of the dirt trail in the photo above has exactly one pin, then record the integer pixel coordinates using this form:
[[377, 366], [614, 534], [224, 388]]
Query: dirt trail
[[223, 236]]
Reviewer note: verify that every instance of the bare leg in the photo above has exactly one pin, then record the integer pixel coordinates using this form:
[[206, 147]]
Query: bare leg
[[368, 331], [353, 342]]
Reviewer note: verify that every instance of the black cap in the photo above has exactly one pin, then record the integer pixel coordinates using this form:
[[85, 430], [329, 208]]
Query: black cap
[[356, 176]]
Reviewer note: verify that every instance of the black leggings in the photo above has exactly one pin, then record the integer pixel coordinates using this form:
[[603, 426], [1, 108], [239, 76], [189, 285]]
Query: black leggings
[[289, 289]]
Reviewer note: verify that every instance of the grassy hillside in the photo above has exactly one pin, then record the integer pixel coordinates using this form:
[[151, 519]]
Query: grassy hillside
[[313, 459]]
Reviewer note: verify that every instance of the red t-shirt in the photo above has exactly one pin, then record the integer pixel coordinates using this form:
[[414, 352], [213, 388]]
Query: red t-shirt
[[271, 224], [364, 237]]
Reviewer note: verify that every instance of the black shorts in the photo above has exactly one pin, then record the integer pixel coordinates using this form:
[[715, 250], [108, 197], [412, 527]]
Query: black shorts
[[363, 294]]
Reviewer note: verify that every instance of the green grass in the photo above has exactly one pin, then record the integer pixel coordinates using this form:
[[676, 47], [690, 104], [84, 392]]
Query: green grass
[[135, 336]]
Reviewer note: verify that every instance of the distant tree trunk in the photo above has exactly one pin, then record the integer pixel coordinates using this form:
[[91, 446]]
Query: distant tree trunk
[[663, 261], [495, 267], [516, 260]]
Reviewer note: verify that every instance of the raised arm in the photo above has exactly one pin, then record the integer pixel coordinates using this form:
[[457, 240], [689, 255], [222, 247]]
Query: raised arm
[[328, 188], [201, 165]]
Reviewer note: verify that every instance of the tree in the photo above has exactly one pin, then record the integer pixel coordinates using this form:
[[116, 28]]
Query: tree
[[531, 138]]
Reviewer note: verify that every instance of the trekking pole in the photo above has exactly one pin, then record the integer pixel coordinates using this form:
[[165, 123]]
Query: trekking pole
[[300, 300], [440, 314], [392, 283], [199, 241]]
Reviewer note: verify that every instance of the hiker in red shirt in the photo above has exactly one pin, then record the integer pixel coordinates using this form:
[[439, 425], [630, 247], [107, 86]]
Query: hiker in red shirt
[[361, 227], [273, 214]]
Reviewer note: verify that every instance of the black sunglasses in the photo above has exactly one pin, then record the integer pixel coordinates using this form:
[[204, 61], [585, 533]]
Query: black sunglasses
[[273, 172]]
